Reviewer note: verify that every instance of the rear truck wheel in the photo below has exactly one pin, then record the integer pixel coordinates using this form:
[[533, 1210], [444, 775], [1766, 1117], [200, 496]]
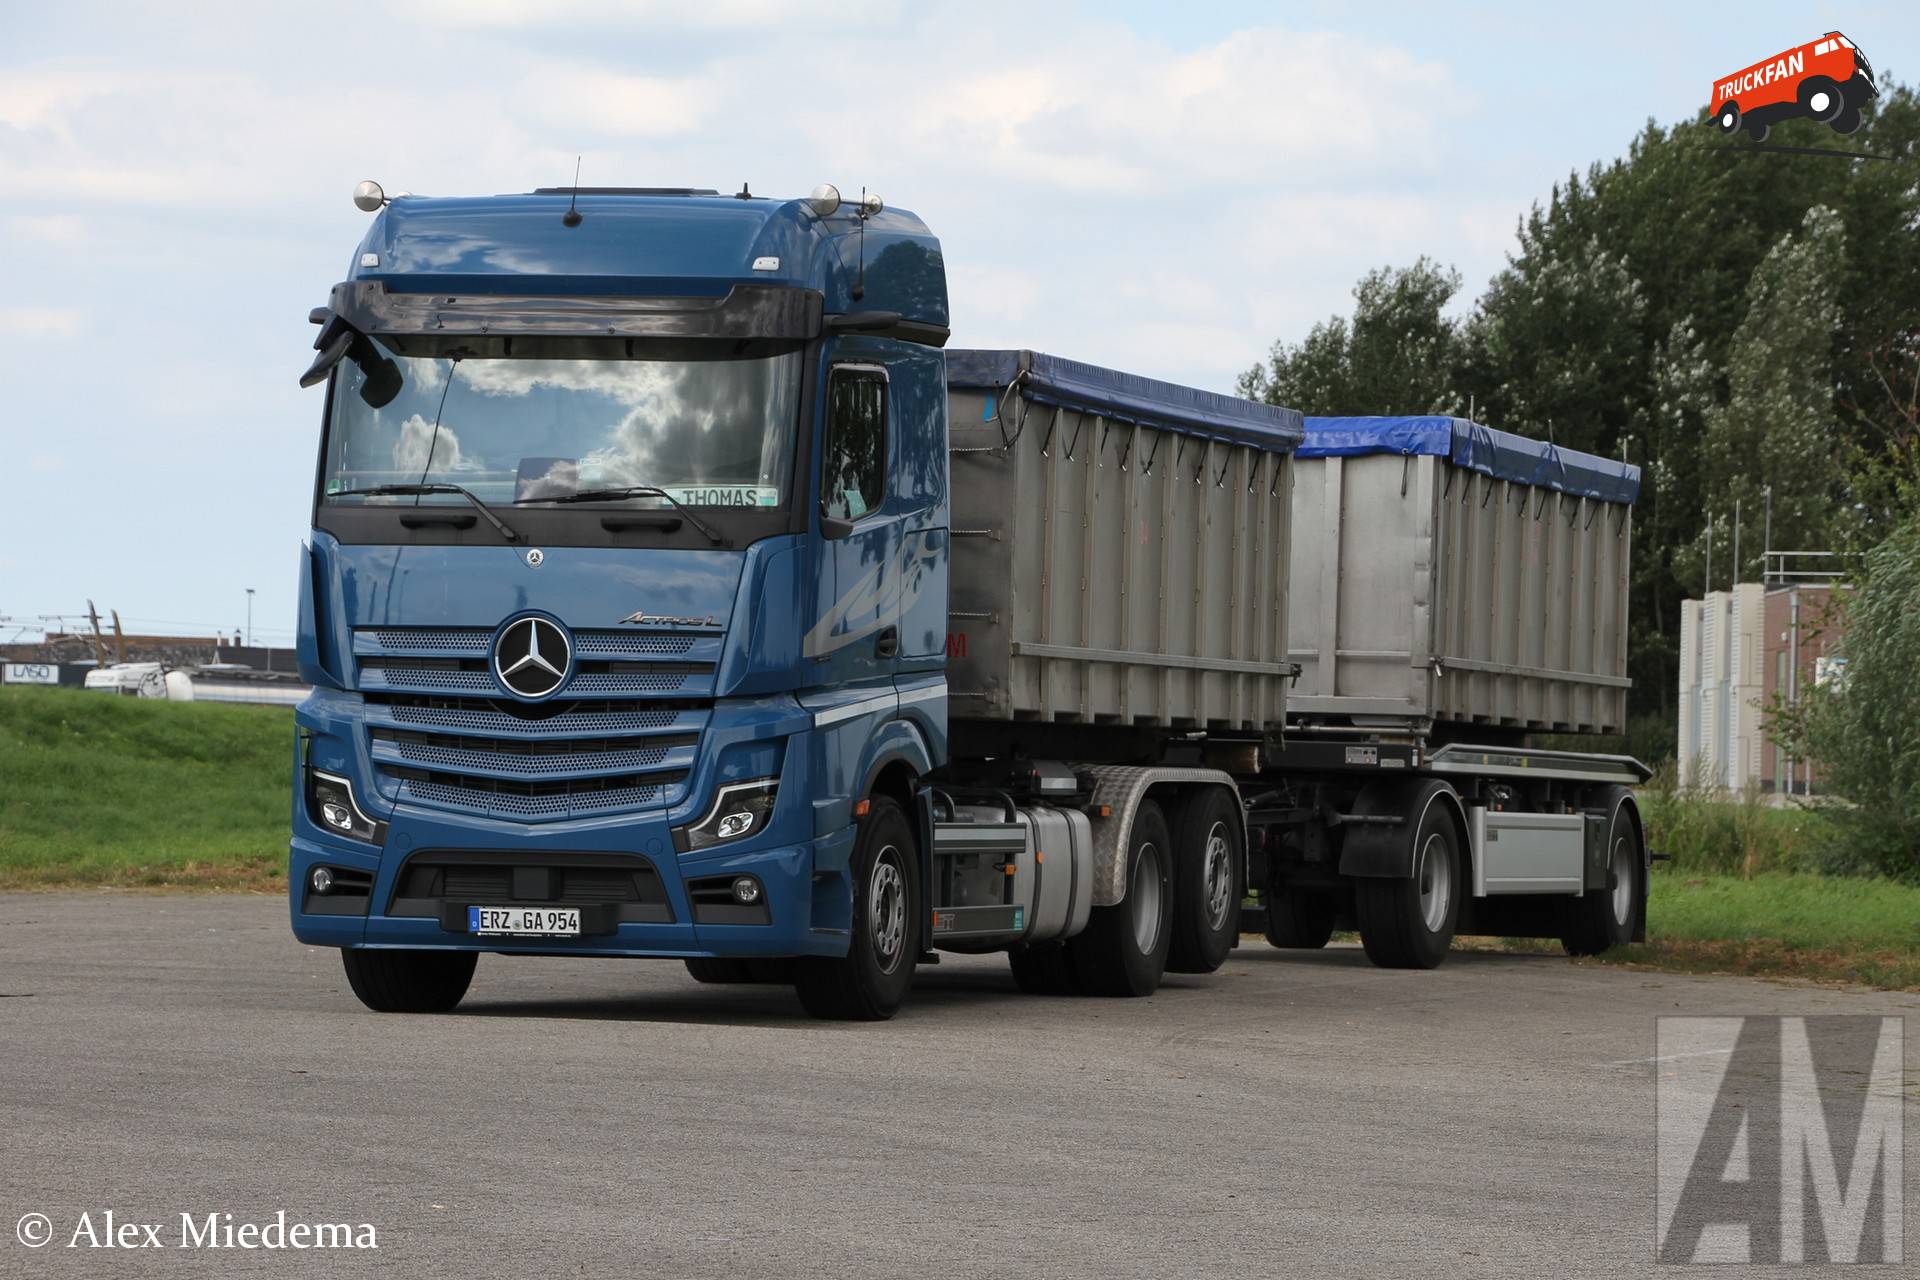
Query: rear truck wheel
[[1407, 922], [1602, 919], [1821, 98], [1847, 120], [870, 982], [408, 981], [1044, 970], [1123, 951], [1758, 130], [1300, 918], [1729, 119], [1208, 882]]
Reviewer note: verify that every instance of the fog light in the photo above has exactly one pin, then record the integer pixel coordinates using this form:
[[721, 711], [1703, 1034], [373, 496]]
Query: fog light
[[746, 890], [322, 880]]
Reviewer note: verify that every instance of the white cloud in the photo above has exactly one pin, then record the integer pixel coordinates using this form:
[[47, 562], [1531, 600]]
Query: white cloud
[[40, 322]]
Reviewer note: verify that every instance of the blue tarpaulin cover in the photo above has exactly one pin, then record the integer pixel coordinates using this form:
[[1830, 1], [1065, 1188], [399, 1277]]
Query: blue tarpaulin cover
[[1127, 397], [1500, 454]]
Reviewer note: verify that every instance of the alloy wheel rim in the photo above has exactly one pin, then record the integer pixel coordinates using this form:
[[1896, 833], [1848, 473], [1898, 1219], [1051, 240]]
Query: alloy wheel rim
[[1436, 882], [1622, 881], [1146, 898], [887, 909], [1219, 876]]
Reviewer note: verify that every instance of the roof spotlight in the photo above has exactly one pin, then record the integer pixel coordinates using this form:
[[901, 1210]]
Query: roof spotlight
[[368, 197], [871, 204], [824, 200]]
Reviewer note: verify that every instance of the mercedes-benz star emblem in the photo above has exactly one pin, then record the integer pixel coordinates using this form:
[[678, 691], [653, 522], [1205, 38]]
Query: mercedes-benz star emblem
[[532, 657]]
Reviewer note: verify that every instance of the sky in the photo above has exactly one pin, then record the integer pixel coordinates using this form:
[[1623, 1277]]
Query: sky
[[1164, 188]]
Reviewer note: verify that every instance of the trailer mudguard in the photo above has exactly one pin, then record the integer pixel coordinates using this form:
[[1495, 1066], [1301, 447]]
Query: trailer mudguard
[[1377, 838]]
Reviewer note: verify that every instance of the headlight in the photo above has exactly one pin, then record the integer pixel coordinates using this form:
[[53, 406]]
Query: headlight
[[740, 810], [331, 806]]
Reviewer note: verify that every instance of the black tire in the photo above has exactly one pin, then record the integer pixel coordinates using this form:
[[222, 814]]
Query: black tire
[[1124, 949], [1848, 121], [1300, 918], [1408, 923], [408, 981], [1044, 970], [1602, 919], [1831, 100], [1758, 130], [1209, 879], [1729, 119], [870, 982], [715, 970]]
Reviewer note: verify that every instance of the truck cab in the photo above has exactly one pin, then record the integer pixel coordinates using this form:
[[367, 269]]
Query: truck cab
[[626, 586]]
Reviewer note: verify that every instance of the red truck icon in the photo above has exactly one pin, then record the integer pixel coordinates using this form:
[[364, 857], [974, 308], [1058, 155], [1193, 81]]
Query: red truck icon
[[1828, 80]]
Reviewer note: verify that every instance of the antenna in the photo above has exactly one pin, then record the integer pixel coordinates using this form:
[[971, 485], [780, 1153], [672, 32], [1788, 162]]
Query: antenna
[[571, 218], [860, 280]]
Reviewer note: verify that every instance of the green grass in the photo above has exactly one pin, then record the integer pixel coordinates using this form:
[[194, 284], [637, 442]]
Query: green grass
[[1777, 924], [103, 790]]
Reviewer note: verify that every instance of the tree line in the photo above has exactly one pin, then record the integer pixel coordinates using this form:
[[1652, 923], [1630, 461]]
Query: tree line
[[1742, 324]]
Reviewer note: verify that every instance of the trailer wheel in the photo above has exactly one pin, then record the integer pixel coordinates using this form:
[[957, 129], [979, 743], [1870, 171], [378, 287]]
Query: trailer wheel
[[409, 981], [1044, 970], [870, 982], [1123, 951], [1604, 918], [1407, 922], [1300, 918], [1208, 882]]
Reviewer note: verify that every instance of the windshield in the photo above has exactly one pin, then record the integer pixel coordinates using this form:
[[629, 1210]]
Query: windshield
[[711, 425]]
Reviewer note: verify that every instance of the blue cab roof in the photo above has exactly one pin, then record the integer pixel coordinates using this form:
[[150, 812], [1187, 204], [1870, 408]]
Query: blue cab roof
[[634, 245], [1127, 397], [1500, 454]]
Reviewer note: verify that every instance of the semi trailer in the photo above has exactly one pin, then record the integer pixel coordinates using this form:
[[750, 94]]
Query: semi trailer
[[672, 591]]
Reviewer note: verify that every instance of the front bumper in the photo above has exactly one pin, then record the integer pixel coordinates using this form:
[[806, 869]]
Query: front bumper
[[639, 896]]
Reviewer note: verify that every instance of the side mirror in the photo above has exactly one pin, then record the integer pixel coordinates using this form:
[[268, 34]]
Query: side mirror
[[834, 528]]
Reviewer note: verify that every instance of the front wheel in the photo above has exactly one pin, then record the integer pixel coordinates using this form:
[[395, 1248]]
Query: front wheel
[[1300, 918], [871, 981], [409, 981], [1729, 119], [1408, 923], [1821, 98]]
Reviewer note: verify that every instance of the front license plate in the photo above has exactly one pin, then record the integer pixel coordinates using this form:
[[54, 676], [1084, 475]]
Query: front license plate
[[543, 921]]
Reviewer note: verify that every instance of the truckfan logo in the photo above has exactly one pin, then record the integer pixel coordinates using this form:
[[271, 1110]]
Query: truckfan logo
[[1828, 80], [531, 657]]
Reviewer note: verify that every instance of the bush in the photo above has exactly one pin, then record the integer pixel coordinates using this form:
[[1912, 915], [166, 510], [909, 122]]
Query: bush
[[1708, 831], [1864, 730]]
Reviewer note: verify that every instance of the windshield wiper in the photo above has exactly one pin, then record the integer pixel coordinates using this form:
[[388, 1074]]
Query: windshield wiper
[[403, 490], [634, 491]]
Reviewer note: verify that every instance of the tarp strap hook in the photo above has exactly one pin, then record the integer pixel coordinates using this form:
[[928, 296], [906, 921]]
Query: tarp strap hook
[[1046, 449], [1077, 428], [1220, 481], [1591, 512], [1148, 468], [1406, 465], [1128, 451]]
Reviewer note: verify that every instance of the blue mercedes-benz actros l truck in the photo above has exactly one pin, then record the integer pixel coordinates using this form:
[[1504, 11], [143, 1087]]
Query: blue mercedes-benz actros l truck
[[673, 592]]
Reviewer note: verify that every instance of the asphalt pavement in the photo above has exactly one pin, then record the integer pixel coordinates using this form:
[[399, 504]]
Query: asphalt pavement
[[1293, 1114]]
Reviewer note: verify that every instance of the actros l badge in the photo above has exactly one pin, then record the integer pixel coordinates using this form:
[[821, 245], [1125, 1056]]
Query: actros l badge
[[532, 657]]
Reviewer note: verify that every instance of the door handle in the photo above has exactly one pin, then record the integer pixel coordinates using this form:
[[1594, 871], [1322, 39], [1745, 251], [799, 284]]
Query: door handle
[[887, 643]]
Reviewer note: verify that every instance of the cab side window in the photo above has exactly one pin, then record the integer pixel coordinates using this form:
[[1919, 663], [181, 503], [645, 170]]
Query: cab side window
[[854, 451]]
